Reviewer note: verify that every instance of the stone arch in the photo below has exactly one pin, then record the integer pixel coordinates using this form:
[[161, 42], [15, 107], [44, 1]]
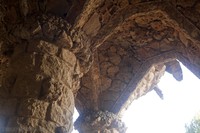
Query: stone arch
[[127, 38], [143, 40]]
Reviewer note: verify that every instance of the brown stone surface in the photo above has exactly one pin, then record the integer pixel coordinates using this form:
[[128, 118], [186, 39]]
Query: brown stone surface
[[174, 68], [39, 71], [103, 122], [143, 40], [33, 108], [41, 89], [104, 53], [21, 124]]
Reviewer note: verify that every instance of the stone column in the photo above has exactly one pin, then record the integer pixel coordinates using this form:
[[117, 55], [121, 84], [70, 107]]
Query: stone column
[[99, 122], [36, 94]]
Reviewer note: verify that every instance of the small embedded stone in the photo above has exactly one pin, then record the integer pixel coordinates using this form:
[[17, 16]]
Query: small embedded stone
[[105, 83], [104, 66], [133, 35], [142, 21], [47, 47], [112, 71], [103, 57], [64, 40], [113, 49], [93, 25], [68, 56], [157, 36], [115, 59], [157, 25], [195, 34], [183, 39], [121, 51]]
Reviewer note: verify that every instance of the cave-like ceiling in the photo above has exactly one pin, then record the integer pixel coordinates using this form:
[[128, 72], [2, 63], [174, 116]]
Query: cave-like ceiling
[[134, 43], [130, 43]]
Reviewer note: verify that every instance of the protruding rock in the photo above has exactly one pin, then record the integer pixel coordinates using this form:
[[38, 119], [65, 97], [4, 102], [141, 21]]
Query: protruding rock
[[174, 68]]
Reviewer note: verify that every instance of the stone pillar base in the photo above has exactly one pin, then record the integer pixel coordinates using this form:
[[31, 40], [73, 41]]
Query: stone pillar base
[[100, 122]]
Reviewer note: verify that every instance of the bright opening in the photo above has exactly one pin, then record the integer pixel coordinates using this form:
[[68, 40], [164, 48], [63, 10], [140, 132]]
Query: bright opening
[[150, 114], [76, 115]]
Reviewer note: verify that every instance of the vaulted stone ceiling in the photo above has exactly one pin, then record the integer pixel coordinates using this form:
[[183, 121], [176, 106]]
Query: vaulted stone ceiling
[[134, 40], [121, 47]]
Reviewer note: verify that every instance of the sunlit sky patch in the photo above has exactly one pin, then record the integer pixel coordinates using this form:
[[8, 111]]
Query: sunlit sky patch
[[150, 114]]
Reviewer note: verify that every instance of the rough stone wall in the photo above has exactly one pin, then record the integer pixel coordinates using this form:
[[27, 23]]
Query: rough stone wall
[[102, 15], [100, 122], [22, 20], [42, 60], [133, 45], [36, 93], [90, 88], [190, 9], [47, 46], [117, 67]]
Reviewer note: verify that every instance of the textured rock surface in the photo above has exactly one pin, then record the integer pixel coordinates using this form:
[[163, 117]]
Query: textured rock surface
[[142, 36], [104, 53], [40, 69], [99, 122], [38, 89]]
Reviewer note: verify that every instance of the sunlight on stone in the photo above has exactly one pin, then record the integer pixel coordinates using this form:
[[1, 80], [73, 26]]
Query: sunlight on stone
[[181, 102], [151, 114]]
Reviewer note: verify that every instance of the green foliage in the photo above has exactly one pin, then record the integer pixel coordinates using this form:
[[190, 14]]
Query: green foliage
[[194, 126]]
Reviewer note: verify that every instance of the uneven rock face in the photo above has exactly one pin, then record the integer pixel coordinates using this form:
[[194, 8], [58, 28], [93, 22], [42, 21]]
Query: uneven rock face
[[141, 37], [174, 68], [125, 58], [37, 89], [40, 69], [99, 122], [101, 54]]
